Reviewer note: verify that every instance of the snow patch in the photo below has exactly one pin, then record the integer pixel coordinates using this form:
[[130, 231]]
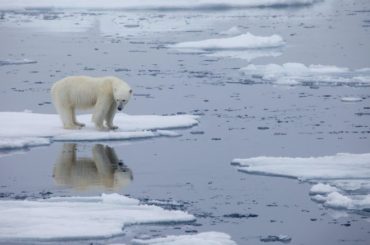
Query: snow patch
[[20, 129], [204, 238], [79, 217]]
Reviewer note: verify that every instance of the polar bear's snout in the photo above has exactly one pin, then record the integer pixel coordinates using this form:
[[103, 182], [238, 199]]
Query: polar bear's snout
[[121, 104]]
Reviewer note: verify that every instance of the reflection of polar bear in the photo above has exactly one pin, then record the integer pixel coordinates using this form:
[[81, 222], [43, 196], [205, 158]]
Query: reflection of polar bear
[[104, 94], [104, 169]]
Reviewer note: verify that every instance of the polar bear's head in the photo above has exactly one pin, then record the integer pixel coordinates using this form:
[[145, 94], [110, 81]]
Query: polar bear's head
[[121, 93]]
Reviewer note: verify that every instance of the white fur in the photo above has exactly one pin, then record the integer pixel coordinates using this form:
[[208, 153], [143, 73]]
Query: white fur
[[103, 94]]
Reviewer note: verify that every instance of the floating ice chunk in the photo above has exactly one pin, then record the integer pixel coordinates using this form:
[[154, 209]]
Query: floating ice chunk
[[279, 238], [346, 176], [341, 165], [79, 217], [33, 128], [297, 73], [243, 41], [204, 238], [351, 99], [152, 4], [338, 200], [17, 62], [321, 188]]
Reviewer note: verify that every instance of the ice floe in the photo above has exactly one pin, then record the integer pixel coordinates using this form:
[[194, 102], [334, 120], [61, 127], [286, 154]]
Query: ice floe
[[342, 180], [153, 4], [204, 238], [298, 73], [22, 129], [245, 46], [243, 41], [351, 99], [17, 62], [79, 217]]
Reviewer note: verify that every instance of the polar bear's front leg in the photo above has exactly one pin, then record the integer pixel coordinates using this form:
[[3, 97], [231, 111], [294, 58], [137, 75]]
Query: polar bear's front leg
[[110, 116], [100, 112]]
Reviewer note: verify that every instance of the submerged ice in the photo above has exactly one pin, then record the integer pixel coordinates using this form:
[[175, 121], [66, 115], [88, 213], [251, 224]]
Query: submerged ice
[[79, 217], [342, 180]]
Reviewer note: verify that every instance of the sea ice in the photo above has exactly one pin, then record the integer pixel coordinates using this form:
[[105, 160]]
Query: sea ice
[[79, 217], [297, 73], [29, 129], [351, 99], [240, 42], [152, 4], [342, 179], [204, 238]]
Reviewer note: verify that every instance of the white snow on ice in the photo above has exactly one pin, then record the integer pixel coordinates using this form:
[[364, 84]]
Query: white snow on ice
[[298, 73], [343, 180], [152, 4], [204, 238], [79, 217], [23, 129]]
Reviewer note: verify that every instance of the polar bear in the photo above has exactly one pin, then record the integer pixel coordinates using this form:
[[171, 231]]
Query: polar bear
[[104, 94]]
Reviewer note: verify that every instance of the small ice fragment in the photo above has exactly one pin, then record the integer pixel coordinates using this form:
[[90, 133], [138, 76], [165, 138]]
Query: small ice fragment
[[322, 189], [351, 99], [279, 238]]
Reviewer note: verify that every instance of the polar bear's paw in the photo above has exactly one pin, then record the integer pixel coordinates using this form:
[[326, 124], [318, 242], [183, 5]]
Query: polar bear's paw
[[72, 126]]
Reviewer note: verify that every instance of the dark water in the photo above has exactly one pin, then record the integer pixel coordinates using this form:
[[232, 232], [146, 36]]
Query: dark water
[[237, 119]]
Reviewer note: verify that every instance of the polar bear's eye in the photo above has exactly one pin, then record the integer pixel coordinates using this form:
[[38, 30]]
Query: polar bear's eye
[[130, 91]]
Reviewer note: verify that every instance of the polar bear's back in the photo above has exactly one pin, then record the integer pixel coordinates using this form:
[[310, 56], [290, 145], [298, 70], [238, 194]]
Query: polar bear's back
[[77, 91]]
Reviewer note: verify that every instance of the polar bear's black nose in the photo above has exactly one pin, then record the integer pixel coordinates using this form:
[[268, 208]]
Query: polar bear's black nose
[[119, 108]]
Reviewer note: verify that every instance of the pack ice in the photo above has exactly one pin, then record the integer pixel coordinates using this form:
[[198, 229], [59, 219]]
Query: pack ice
[[23, 129], [341, 180], [79, 217]]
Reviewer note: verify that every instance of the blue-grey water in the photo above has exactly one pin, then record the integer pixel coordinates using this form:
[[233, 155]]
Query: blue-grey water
[[237, 119]]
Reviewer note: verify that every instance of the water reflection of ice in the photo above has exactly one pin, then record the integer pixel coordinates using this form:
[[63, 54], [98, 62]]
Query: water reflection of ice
[[103, 169]]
